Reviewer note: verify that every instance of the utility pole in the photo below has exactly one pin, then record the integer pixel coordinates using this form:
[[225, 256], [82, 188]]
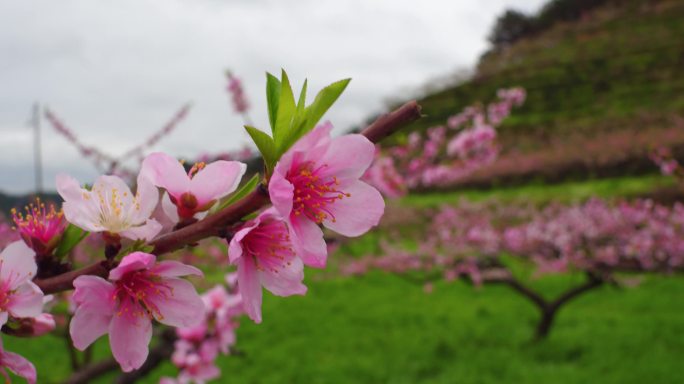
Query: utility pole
[[37, 155]]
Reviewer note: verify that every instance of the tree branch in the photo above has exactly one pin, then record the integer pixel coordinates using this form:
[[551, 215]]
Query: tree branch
[[547, 308], [503, 276], [160, 353], [389, 123], [64, 282], [592, 282], [384, 126], [89, 373]]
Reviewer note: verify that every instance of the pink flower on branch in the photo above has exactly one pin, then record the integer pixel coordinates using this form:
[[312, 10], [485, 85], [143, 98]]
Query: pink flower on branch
[[110, 206], [19, 296], [265, 256], [138, 291], [190, 194], [196, 364], [40, 227], [17, 364], [237, 93], [317, 182], [32, 326]]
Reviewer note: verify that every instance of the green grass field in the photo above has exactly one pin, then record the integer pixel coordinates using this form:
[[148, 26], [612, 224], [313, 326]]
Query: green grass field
[[568, 192], [381, 328]]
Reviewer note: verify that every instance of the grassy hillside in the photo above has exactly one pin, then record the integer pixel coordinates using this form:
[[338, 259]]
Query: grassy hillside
[[602, 92], [617, 68]]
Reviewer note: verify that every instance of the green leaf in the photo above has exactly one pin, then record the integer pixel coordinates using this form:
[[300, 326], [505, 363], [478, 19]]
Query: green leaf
[[242, 192], [297, 123], [71, 237], [250, 216], [265, 145], [307, 119], [286, 110], [323, 101], [301, 104], [272, 97]]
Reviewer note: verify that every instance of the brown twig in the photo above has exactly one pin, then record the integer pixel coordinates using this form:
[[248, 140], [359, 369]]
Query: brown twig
[[212, 224], [65, 281], [88, 373], [389, 123], [161, 352], [548, 308]]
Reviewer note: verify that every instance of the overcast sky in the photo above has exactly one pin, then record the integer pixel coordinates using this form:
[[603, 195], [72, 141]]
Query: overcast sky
[[115, 71]]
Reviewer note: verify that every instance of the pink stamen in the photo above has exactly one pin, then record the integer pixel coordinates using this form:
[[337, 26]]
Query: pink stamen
[[314, 192]]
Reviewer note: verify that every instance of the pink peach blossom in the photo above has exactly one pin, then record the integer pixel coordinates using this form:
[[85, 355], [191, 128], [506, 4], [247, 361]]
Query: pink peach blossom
[[139, 290], [191, 194], [110, 206], [240, 103], [17, 364], [42, 324], [41, 227], [19, 296], [265, 257], [317, 182]]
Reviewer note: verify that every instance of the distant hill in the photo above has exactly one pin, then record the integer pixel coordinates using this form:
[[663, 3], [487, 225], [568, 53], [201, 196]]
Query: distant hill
[[616, 68]]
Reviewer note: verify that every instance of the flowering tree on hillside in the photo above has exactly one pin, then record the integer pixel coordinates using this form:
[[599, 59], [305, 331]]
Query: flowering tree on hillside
[[448, 152], [595, 238]]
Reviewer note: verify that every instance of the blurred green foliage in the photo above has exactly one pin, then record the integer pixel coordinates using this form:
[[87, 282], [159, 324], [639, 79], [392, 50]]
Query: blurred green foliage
[[380, 328]]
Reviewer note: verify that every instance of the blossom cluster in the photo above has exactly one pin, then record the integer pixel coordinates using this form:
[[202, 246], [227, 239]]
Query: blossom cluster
[[197, 348], [448, 152], [237, 93], [107, 162], [595, 236], [243, 154], [315, 183], [663, 158]]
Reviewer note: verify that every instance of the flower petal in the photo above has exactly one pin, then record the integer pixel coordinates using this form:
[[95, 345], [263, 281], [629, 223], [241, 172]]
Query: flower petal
[[320, 135], [18, 264], [68, 187], [166, 172], [172, 268], [133, 262], [80, 216], [217, 180], [19, 365], [235, 246], [87, 325], [281, 191], [95, 308], [146, 231], [170, 209], [183, 308], [250, 288], [356, 214], [129, 338], [94, 292], [288, 280], [147, 198], [26, 301], [307, 239], [348, 156], [79, 207]]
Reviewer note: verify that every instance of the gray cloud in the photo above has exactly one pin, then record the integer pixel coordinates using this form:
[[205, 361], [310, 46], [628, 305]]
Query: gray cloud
[[116, 71]]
